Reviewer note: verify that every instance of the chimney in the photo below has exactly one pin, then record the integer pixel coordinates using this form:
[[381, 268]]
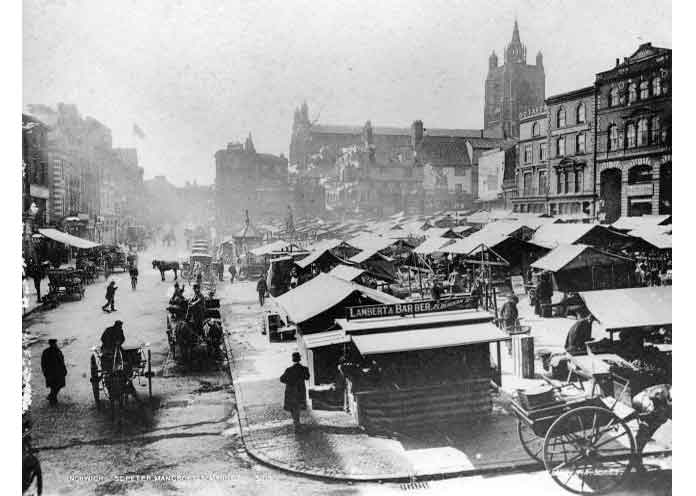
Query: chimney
[[416, 133]]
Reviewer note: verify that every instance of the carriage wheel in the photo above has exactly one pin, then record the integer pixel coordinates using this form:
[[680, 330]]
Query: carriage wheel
[[533, 445], [94, 379], [589, 450]]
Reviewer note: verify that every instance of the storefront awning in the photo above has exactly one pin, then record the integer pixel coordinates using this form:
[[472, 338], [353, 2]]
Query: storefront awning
[[427, 339], [632, 307], [321, 339], [68, 239]]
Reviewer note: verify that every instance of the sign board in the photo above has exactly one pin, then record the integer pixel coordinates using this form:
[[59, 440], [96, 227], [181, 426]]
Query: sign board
[[517, 285], [411, 308]]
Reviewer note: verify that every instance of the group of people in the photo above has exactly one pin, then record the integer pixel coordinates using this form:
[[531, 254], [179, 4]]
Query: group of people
[[653, 275]]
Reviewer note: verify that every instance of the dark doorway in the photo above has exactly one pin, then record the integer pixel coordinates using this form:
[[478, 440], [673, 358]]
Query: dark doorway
[[666, 188], [610, 194]]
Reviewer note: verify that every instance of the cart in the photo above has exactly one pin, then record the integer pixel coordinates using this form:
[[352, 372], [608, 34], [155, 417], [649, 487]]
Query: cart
[[114, 375], [66, 282], [582, 437]]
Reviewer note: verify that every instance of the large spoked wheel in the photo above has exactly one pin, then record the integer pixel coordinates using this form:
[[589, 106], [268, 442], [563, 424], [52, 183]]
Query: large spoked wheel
[[94, 379], [589, 450], [532, 444]]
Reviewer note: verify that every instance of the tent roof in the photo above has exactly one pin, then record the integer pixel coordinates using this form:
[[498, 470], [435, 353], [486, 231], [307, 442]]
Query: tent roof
[[432, 245], [313, 257], [321, 293], [470, 243], [68, 239], [427, 339], [633, 307], [640, 222], [654, 237], [367, 241], [551, 235], [346, 272], [566, 257], [366, 255]]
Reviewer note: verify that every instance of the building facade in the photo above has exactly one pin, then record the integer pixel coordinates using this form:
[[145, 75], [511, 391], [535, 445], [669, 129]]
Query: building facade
[[247, 180], [570, 184], [496, 170], [532, 171], [512, 87], [634, 128]]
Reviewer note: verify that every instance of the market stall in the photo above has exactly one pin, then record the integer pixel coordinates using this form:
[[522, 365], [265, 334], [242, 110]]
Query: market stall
[[423, 362]]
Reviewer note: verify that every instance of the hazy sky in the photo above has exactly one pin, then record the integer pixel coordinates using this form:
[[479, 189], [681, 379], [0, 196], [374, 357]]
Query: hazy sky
[[196, 74]]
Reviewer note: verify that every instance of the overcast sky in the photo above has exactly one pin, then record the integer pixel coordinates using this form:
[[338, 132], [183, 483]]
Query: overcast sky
[[196, 74]]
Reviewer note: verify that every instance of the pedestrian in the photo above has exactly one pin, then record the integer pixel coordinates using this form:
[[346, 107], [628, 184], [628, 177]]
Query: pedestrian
[[435, 291], [294, 379], [110, 296], [294, 278], [53, 368], [36, 272], [509, 314], [261, 288], [221, 270], [233, 272], [579, 334], [134, 276]]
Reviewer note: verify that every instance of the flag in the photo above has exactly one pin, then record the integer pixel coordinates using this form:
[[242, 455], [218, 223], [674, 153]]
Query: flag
[[138, 132]]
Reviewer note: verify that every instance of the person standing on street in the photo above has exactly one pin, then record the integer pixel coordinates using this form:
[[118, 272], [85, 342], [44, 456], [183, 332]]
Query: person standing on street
[[221, 270], [36, 272], [509, 314], [233, 272], [294, 379], [134, 276], [262, 288], [110, 296], [53, 368]]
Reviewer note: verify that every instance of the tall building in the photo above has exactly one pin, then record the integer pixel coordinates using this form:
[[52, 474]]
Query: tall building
[[634, 135], [248, 180], [512, 87], [531, 173]]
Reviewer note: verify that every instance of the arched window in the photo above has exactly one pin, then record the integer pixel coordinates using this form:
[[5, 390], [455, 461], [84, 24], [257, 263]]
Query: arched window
[[581, 113], [535, 129], [560, 147], [644, 90], [630, 135], [614, 99], [632, 92], [657, 86], [580, 143], [643, 132], [578, 181], [613, 135], [655, 129], [561, 118]]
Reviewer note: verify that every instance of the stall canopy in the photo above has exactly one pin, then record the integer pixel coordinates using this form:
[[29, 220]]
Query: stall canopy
[[568, 257], [346, 272], [427, 339], [552, 235], [68, 239], [322, 293], [632, 307], [433, 245], [321, 339], [641, 222], [319, 256], [656, 238]]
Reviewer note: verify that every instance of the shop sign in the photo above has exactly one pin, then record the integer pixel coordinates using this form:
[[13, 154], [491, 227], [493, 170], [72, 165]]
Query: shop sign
[[414, 308], [639, 189]]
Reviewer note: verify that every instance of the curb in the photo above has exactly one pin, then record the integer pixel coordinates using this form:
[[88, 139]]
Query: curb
[[323, 476]]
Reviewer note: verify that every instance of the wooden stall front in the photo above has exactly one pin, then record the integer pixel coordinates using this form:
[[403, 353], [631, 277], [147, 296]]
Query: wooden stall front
[[418, 365]]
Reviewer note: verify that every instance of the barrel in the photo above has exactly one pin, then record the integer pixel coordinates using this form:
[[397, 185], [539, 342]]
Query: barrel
[[523, 356]]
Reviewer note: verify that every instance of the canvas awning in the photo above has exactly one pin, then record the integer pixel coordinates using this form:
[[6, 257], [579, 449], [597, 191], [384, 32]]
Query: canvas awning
[[632, 307], [427, 339], [433, 245], [346, 272], [328, 338], [68, 239], [577, 256]]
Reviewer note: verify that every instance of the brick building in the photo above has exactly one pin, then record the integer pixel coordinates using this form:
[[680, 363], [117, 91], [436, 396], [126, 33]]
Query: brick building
[[532, 173], [512, 87], [247, 180], [634, 126]]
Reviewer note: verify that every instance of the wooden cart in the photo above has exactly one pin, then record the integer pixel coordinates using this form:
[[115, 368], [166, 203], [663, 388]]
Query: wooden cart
[[66, 282], [582, 437]]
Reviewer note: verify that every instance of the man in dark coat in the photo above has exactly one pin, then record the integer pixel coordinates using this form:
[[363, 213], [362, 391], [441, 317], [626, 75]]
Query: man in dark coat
[[221, 270], [36, 272], [233, 273], [578, 335], [110, 295], [509, 313], [294, 379], [53, 367], [261, 289], [196, 308], [134, 276], [112, 337]]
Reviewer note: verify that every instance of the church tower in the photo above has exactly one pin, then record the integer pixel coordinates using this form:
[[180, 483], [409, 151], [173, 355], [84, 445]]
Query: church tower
[[513, 87]]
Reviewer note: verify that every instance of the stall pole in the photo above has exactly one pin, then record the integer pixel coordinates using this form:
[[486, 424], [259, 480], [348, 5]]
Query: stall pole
[[420, 282], [409, 281], [500, 365], [149, 373]]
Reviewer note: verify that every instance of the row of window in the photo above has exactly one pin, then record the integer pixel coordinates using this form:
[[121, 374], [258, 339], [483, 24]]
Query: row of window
[[560, 148], [561, 119], [642, 133], [567, 181], [641, 91]]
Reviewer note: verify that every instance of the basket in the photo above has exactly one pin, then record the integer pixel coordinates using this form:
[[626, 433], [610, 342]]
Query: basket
[[537, 397]]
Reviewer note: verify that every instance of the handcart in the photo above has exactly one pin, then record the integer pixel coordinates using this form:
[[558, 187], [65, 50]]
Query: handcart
[[581, 435]]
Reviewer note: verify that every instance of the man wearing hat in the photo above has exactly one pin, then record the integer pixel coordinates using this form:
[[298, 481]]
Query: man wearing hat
[[112, 337], [196, 308], [110, 296], [53, 368], [294, 379], [579, 334], [509, 313]]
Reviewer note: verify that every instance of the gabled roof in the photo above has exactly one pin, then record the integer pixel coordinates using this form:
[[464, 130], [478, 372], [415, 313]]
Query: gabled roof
[[433, 245], [577, 256], [367, 241], [322, 293], [470, 243], [314, 256], [366, 255], [551, 235], [346, 272], [641, 222], [655, 238]]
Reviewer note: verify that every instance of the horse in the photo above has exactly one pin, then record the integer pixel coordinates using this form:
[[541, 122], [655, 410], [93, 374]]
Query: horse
[[186, 338], [163, 267]]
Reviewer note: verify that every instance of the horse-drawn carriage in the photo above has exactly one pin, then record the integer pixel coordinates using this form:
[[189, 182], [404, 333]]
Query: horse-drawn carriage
[[191, 343], [66, 282], [113, 257], [113, 375]]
